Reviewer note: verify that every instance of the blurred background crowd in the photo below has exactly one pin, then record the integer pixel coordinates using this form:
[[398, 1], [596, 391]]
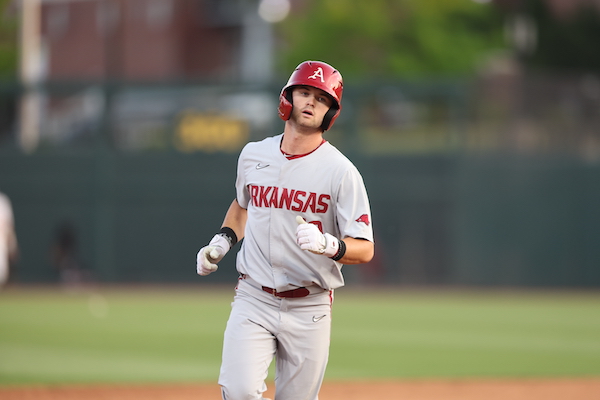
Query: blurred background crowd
[[475, 123]]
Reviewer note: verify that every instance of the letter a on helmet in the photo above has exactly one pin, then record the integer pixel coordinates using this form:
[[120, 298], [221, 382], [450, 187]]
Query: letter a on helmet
[[321, 76]]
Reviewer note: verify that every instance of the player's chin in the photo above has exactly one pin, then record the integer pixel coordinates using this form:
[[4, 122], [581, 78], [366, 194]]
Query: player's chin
[[310, 124]]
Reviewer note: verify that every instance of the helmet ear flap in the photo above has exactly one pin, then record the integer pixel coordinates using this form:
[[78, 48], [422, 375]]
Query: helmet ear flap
[[285, 104], [329, 118]]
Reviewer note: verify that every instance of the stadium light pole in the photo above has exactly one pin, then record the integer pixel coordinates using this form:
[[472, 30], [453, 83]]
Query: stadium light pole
[[31, 73]]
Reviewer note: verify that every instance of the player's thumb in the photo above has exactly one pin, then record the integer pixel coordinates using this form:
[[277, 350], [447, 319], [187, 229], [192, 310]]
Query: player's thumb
[[215, 253], [300, 220]]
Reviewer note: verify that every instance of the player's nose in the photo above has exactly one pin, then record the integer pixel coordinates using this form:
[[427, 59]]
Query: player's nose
[[310, 100]]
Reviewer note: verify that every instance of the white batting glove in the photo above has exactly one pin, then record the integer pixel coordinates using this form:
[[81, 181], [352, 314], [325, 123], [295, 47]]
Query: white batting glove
[[210, 255], [310, 238]]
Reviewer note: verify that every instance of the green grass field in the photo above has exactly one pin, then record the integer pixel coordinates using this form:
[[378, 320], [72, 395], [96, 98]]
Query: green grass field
[[134, 335]]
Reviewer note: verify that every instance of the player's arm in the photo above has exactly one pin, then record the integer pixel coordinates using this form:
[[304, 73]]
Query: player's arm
[[235, 219], [358, 251], [13, 246], [232, 230]]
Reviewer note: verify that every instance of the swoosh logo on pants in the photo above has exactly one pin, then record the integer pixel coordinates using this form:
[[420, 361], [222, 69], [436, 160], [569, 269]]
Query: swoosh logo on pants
[[317, 319]]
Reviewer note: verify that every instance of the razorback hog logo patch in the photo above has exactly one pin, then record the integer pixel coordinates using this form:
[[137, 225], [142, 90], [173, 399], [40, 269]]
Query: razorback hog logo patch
[[363, 218]]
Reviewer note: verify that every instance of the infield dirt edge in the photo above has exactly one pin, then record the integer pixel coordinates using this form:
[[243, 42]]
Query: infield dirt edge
[[418, 389]]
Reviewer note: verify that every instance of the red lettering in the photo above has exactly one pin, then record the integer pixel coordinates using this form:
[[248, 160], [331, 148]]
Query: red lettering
[[286, 198], [262, 196], [274, 196], [310, 202], [290, 199], [298, 201], [253, 193], [323, 206]]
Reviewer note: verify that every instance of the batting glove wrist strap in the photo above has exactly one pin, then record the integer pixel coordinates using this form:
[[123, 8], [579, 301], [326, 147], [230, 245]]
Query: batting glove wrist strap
[[332, 245], [229, 235], [341, 251], [221, 243]]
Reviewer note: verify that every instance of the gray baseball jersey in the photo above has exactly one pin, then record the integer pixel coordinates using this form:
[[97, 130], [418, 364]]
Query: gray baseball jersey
[[323, 187]]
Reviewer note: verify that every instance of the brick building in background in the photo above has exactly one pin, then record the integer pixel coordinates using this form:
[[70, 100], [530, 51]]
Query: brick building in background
[[91, 42], [153, 40]]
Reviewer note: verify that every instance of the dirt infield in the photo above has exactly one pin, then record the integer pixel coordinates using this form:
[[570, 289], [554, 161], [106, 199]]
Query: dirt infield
[[524, 389]]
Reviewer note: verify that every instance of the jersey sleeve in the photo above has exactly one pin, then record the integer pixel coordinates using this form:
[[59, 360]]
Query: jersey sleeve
[[241, 188], [353, 209]]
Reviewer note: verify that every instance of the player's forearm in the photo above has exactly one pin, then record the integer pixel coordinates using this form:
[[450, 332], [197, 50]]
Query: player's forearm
[[236, 218], [358, 251]]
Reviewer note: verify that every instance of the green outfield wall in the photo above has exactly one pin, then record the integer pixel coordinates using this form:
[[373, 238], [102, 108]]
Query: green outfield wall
[[460, 220]]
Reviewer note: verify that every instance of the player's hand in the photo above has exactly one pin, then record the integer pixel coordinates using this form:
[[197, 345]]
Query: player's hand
[[310, 238], [210, 255]]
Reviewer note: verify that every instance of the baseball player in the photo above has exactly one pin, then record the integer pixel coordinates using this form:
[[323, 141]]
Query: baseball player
[[8, 239], [302, 209]]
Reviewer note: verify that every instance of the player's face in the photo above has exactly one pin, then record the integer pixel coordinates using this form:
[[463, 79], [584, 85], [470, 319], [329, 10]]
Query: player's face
[[310, 106]]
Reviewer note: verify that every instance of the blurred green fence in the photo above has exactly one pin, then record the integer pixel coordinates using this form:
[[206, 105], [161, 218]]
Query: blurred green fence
[[144, 175]]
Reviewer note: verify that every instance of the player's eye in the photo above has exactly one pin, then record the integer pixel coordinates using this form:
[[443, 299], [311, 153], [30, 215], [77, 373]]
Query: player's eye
[[324, 100]]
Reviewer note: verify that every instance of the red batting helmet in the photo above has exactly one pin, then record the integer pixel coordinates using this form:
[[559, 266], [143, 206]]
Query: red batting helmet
[[321, 76]]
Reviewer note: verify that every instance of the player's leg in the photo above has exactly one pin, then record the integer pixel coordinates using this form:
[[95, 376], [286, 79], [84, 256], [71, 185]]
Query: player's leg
[[4, 264], [248, 349], [303, 349]]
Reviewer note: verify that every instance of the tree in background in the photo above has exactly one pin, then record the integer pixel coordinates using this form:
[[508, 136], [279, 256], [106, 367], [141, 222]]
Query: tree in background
[[8, 42], [380, 39], [564, 42]]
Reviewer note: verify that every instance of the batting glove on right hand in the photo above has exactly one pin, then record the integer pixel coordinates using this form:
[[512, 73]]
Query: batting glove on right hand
[[310, 238], [210, 255]]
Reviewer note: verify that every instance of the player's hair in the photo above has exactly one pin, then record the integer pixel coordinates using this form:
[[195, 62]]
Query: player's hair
[[321, 76]]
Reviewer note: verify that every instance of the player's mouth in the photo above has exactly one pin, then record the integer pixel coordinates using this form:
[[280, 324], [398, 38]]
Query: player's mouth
[[307, 112]]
